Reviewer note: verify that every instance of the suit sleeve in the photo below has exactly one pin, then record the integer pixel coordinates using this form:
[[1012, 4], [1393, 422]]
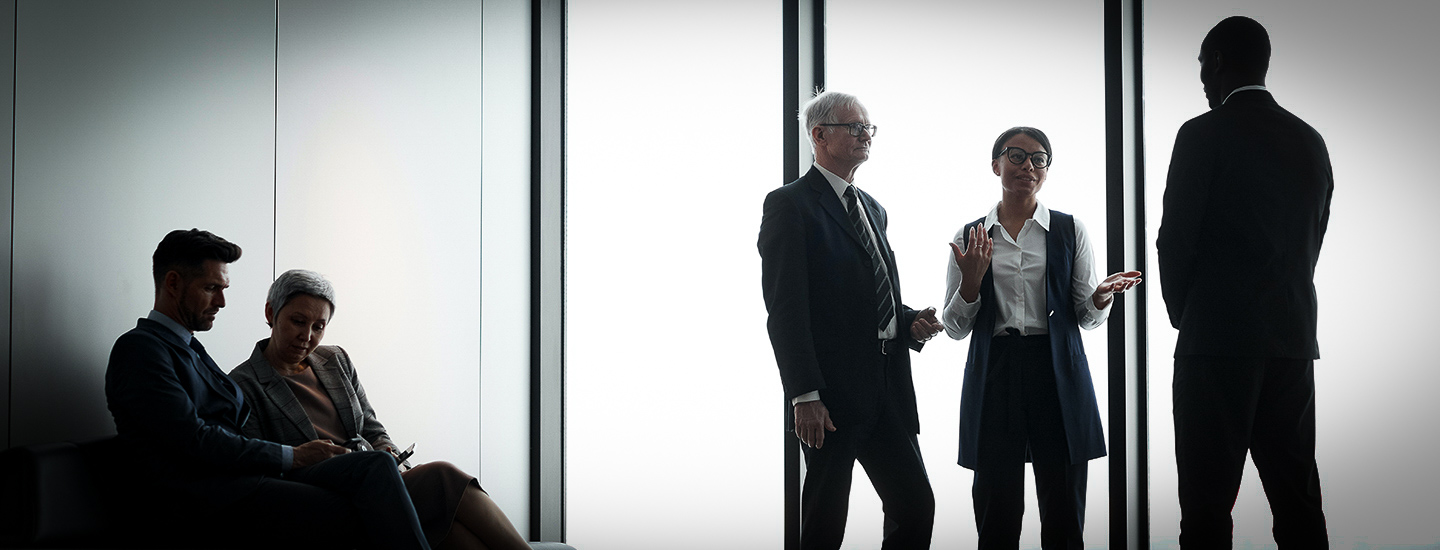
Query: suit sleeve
[[147, 399], [907, 316], [1186, 197], [1325, 214], [371, 429], [785, 280]]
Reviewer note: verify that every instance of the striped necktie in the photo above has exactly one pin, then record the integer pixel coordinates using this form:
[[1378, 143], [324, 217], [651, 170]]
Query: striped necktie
[[884, 295]]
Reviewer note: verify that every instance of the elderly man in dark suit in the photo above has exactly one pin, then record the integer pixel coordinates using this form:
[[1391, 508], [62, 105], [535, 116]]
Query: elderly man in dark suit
[[1246, 205], [842, 336], [180, 418]]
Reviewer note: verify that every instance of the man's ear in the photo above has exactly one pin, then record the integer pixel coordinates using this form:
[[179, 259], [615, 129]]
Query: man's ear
[[172, 285], [1217, 62], [817, 135]]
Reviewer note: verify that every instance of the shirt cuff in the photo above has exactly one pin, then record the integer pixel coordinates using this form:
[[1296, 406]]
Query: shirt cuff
[[806, 397], [958, 308], [1094, 311], [1090, 316], [287, 457]]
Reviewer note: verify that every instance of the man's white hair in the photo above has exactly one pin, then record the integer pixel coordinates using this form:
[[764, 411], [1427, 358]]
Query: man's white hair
[[822, 109]]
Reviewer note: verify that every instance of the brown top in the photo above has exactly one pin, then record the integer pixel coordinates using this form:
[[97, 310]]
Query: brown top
[[317, 404]]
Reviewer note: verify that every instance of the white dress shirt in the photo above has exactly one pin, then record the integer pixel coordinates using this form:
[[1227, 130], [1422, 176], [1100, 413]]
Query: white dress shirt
[[1242, 89], [890, 330], [1018, 268], [840, 184]]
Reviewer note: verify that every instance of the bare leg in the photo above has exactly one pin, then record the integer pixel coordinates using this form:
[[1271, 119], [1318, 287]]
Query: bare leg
[[460, 538], [483, 518]]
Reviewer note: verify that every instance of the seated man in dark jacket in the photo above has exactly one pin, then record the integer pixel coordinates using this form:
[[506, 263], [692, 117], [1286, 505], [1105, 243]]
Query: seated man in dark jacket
[[180, 418]]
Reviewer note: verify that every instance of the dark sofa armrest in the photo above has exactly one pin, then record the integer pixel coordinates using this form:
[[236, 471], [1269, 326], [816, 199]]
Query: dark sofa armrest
[[50, 495]]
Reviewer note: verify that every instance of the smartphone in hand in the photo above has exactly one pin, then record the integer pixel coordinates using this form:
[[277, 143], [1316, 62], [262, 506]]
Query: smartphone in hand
[[402, 457]]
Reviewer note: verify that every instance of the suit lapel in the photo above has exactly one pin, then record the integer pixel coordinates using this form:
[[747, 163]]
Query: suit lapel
[[217, 380], [831, 204], [279, 393], [204, 367], [335, 386]]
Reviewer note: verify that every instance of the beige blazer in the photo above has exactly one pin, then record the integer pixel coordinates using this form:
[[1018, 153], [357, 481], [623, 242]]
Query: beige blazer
[[277, 416]]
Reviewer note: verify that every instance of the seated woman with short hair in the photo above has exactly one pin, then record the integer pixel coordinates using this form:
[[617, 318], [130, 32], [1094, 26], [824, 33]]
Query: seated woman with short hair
[[302, 391]]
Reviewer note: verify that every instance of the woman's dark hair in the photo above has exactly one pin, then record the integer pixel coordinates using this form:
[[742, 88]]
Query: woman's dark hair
[[1032, 132], [185, 251]]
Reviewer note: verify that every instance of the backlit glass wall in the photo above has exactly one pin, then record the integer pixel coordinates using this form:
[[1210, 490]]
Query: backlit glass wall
[[942, 80], [673, 397]]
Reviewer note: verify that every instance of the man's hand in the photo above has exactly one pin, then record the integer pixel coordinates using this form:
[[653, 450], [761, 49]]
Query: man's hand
[[812, 420], [1112, 285], [974, 261], [926, 326], [312, 452]]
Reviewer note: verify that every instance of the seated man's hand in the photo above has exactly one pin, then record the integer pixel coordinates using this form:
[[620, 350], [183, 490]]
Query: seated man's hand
[[312, 452], [812, 420]]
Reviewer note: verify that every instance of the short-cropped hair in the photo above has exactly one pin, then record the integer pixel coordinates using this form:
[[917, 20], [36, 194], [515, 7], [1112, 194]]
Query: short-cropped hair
[[1032, 132], [822, 108], [1243, 43], [300, 281], [185, 251]]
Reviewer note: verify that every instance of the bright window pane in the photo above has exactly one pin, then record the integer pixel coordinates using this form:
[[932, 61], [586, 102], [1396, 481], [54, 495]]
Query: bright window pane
[[674, 401], [1362, 74], [942, 80]]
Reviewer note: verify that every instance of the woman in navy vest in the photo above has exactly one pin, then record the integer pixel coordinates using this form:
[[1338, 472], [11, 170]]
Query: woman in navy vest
[[1023, 281]]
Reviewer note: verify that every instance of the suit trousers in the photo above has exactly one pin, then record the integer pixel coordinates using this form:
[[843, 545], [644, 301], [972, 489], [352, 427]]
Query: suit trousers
[[890, 455], [1020, 419], [1225, 406], [352, 500]]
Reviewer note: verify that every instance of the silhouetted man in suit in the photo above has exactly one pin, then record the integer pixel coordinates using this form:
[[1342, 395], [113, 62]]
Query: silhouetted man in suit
[[842, 336], [179, 417], [1246, 205]]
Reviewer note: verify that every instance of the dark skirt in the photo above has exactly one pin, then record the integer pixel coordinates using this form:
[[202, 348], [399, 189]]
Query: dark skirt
[[436, 488]]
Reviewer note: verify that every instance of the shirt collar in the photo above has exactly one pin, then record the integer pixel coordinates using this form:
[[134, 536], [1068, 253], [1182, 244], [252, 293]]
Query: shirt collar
[[837, 182], [1243, 89], [1041, 216], [169, 323]]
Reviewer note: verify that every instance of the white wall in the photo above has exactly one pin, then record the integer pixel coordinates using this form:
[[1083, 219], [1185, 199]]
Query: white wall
[[378, 188], [363, 161], [131, 119], [505, 275]]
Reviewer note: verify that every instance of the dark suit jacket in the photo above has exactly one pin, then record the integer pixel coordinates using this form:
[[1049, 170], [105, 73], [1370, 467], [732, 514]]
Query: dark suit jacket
[[180, 417], [278, 415], [1246, 205], [820, 293]]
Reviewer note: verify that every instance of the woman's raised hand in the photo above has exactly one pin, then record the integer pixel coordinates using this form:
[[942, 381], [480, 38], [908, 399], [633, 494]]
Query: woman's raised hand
[[1112, 285], [974, 261]]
